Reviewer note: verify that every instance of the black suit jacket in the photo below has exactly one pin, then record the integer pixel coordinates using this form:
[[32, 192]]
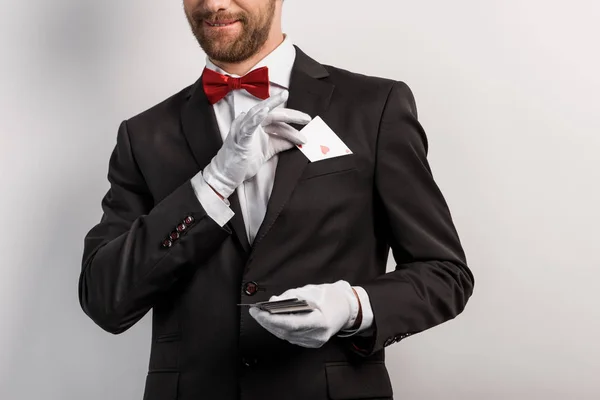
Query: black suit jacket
[[156, 248]]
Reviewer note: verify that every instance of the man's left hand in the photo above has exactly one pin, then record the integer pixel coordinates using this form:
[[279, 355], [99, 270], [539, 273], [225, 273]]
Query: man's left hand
[[336, 308]]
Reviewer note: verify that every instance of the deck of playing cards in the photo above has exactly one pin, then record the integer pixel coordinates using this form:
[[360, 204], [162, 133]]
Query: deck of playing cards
[[283, 306], [322, 142]]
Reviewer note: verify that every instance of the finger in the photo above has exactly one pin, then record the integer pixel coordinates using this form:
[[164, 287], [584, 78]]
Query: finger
[[267, 320], [310, 321], [285, 131], [288, 115], [238, 121], [269, 103], [290, 322], [252, 122], [279, 333], [256, 313], [288, 294], [257, 114], [284, 143]]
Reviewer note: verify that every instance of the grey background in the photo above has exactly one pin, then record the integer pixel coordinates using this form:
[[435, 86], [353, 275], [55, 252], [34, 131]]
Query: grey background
[[507, 90]]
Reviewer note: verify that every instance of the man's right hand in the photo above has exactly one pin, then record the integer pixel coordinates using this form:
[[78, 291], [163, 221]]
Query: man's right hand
[[253, 139]]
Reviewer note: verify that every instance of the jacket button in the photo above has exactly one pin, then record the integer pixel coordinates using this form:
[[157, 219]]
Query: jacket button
[[251, 288], [167, 243], [188, 220], [174, 235], [181, 227], [249, 361]]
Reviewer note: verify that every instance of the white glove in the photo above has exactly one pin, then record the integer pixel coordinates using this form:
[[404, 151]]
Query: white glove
[[336, 309], [253, 139]]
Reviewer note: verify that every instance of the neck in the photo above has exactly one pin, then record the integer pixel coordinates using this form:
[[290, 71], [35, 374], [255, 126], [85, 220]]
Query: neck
[[243, 67]]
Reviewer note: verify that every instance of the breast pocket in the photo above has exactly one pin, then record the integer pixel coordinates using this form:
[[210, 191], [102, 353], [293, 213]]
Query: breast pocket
[[329, 166]]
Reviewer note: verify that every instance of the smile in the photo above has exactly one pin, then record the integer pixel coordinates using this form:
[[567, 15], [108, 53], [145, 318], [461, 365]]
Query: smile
[[221, 23]]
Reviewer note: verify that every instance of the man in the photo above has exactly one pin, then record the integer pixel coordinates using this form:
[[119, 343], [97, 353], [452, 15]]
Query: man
[[213, 204]]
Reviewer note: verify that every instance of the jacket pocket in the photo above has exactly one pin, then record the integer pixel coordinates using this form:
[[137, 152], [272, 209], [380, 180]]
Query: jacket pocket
[[161, 386], [329, 166], [164, 354], [367, 380]]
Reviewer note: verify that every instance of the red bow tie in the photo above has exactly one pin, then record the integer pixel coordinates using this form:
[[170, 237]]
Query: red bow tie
[[216, 86]]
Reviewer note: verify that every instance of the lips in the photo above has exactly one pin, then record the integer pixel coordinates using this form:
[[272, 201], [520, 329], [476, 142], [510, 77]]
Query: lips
[[221, 23]]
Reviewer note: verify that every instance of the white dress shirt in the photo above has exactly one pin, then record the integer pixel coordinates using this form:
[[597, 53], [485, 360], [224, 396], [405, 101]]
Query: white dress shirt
[[254, 193]]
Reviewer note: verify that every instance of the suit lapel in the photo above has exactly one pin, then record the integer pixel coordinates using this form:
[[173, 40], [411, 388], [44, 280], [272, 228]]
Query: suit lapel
[[308, 93], [202, 134]]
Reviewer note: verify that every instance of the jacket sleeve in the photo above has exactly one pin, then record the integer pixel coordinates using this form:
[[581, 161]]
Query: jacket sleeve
[[139, 249], [431, 282]]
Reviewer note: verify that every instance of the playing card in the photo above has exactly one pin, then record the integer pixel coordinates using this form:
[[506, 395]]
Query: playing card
[[291, 310], [283, 306], [272, 303], [268, 307], [322, 142]]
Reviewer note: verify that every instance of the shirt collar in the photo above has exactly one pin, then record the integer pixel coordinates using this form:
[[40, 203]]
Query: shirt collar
[[280, 62]]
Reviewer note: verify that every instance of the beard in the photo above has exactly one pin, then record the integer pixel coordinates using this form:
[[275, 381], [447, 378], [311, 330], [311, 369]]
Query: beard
[[232, 47]]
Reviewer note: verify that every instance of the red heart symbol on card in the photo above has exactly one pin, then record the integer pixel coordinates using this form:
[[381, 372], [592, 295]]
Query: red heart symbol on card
[[324, 149]]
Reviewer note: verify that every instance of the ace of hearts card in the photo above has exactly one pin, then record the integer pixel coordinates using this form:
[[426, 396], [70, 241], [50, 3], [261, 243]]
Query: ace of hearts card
[[322, 142]]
